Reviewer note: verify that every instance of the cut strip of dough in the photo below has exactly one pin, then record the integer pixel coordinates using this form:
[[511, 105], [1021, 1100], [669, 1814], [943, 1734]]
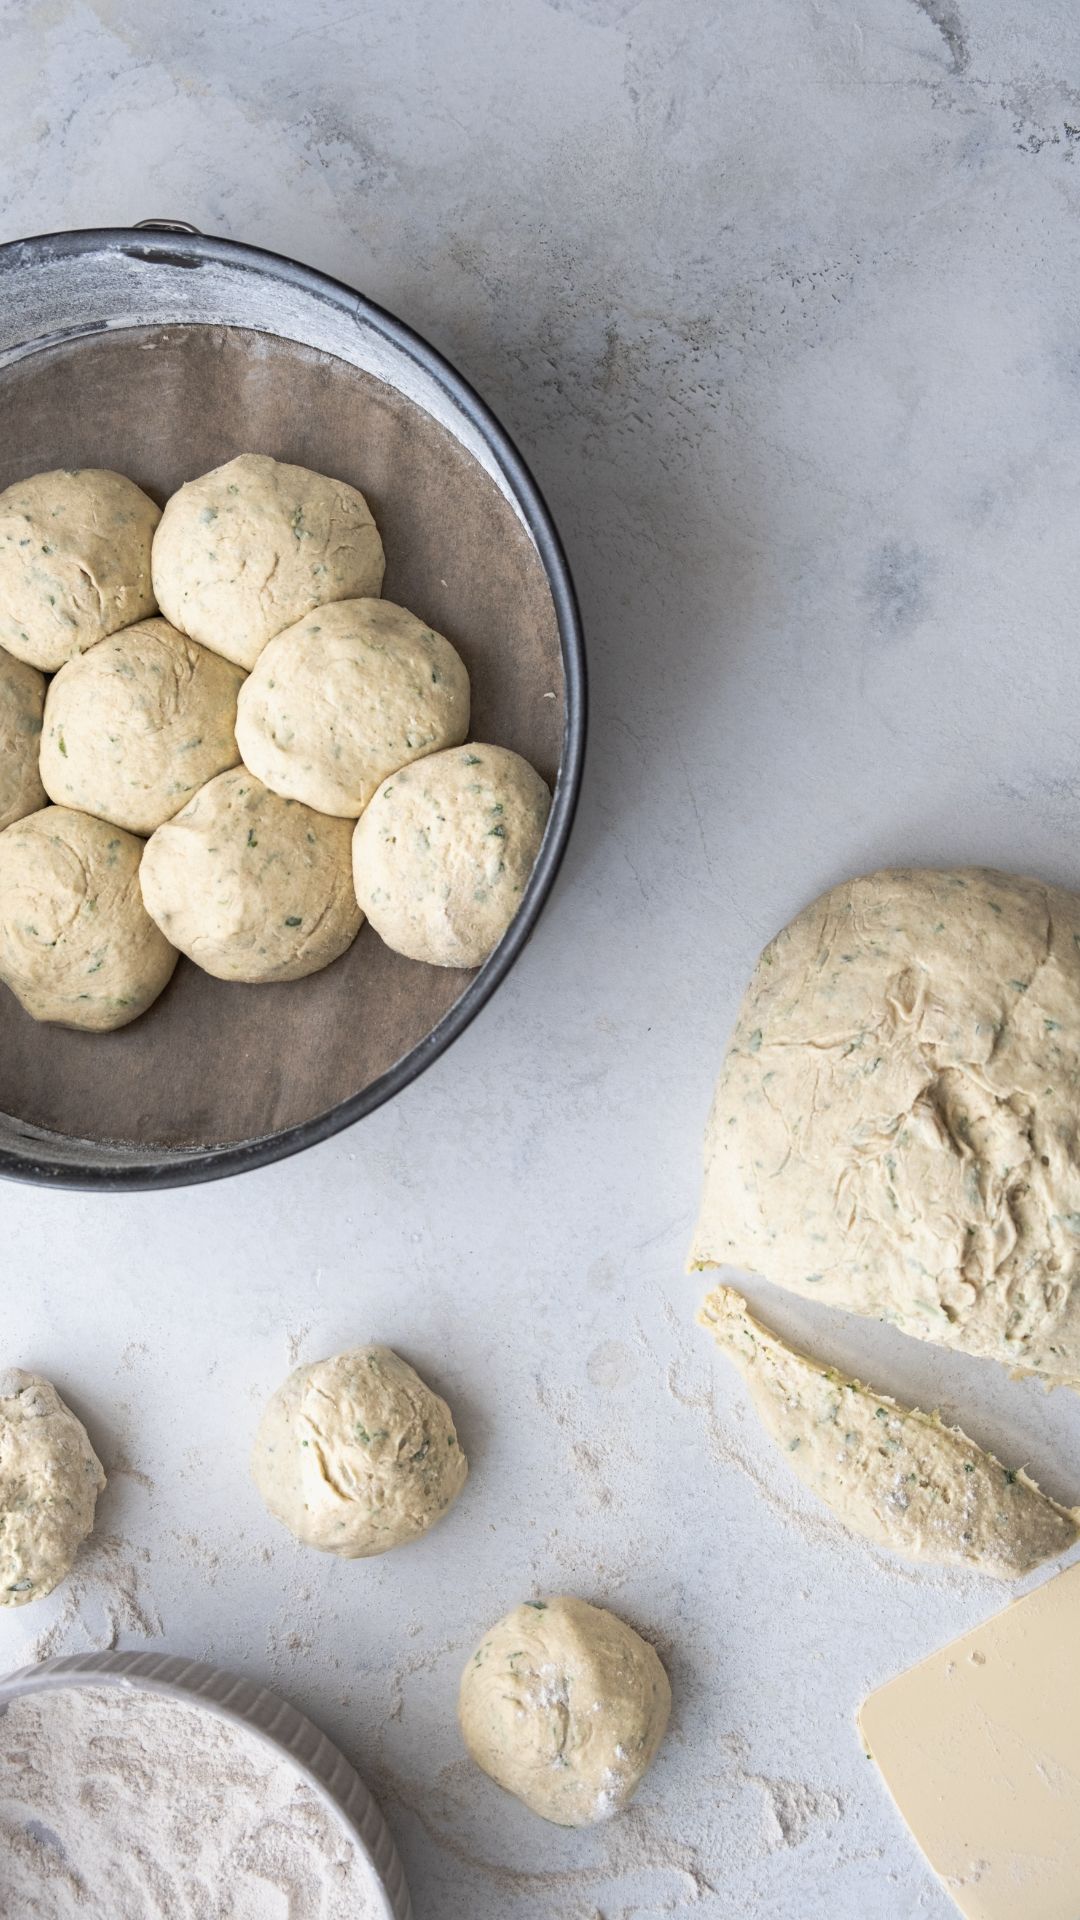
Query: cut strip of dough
[[897, 1476]]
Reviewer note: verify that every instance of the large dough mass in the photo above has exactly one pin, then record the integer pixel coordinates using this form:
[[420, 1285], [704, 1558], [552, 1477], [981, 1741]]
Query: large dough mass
[[137, 725], [74, 562], [50, 1478], [346, 696], [356, 1455], [248, 549], [565, 1706], [77, 946], [896, 1126], [251, 887]]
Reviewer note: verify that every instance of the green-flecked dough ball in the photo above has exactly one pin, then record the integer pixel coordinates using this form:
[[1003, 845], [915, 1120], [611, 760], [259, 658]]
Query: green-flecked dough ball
[[50, 1478], [248, 549], [442, 854], [346, 696], [356, 1454], [77, 946], [22, 701], [136, 726], [74, 562], [565, 1705], [250, 886]]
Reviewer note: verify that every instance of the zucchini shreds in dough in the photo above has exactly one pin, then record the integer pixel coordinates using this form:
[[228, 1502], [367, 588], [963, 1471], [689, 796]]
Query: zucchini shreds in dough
[[898, 1477]]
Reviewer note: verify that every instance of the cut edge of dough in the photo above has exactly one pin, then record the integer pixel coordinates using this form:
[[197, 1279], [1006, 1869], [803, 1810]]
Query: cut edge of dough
[[724, 1306]]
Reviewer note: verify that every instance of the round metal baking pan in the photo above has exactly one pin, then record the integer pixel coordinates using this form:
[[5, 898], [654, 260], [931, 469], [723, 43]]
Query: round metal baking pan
[[261, 1713], [235, 347]]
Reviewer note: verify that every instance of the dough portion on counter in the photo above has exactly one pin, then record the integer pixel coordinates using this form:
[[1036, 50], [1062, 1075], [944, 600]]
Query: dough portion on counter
[[50, 1478], [564, 1705], [442, 854], [74, 562], [77, 946], [356, 1455], [892, 1474], [22, 702], [251, 887], [347, 696], [896, 1126], [137, 725], [248, 549]]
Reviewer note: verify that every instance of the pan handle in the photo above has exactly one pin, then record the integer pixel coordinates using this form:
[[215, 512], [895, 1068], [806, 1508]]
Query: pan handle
[[167, 226]]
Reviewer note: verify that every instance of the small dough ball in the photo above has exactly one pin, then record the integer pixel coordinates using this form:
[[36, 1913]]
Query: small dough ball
[[22, 699], [74, 562], [247, 550], [137, 725], [356, 1455], [77, 946], [345, 697], [250, 886], [50, 1478], [442, 854], [564, 1705]]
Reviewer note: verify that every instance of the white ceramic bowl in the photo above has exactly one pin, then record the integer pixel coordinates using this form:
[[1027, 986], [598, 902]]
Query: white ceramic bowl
[[262, 1713]]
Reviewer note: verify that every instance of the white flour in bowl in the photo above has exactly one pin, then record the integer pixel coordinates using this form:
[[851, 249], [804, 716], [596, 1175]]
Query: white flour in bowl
[[119, 1804]]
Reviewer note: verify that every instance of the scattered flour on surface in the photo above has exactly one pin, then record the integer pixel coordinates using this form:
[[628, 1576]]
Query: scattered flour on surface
[[792, 1808], [294, 1342], [103, 1598], [635, 1847], [690, 1380], [118, 1804], [119, 1463]]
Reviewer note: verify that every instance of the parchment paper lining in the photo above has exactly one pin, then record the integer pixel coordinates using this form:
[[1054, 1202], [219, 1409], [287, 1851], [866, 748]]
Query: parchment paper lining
[[213, 1063]]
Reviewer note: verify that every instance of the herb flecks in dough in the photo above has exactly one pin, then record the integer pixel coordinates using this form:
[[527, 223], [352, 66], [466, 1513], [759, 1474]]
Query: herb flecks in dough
[[438, 882], [22, 700], [896, 1125], [356, 1454], [564, 1705], [77, 946], [225, 877], [118, 717], [896, 1476], [285, 542], [91, 577], [337, 704], [50, 1478]]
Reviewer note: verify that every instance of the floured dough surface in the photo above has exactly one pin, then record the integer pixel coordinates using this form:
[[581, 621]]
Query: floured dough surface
[[251, 887], [896, 1126], [443, 853], [77, 946], [248, 549], [346, 696], [356, 1454], [50, 1478], [136, 726], [897, 1476], [564, 1705], [74, 562], [22, 703]]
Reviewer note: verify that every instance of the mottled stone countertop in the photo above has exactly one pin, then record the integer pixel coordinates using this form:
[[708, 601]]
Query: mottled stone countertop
[[780, 299]]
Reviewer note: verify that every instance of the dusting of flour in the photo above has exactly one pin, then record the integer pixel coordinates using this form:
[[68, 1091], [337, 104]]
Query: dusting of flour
[[117, 1804]]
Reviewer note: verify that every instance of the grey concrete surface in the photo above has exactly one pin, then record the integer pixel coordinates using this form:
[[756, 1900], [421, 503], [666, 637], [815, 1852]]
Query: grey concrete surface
[[780, 299]]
